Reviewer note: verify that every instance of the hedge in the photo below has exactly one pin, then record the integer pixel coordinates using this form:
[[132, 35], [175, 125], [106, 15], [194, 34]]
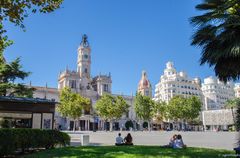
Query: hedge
[[24, 139]]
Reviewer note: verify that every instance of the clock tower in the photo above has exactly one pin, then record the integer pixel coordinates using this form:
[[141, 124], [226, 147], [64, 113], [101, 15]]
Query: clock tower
[[84, 58]]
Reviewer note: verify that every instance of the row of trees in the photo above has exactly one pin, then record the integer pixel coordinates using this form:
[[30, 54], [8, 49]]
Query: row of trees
[[178, 109], [111, 108]]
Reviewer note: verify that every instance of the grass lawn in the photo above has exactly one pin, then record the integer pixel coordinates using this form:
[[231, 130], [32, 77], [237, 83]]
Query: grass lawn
[[130, 152]]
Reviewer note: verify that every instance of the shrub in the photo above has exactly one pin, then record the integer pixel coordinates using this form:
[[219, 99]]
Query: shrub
[[4, 123], [128, 124], [145, 125], [14, 139]]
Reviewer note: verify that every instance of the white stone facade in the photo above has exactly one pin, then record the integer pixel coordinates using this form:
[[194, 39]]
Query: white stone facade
[[216, 93], [173, 83], [237, 90]]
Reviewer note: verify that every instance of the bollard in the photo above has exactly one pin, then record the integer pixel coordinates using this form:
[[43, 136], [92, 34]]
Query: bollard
[[84, 139]]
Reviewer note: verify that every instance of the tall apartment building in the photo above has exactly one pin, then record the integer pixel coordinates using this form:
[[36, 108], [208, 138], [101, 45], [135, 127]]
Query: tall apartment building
[[216, 93], [173, 83]]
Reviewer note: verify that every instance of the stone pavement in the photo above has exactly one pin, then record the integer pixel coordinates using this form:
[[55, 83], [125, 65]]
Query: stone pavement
[[217, 140]]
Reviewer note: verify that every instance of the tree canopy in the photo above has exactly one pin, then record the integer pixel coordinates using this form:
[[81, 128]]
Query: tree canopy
[[72, 104], [15, 11], [111, 108], [180, 108], [232, 103], [9, 73], [160, 111], [144, 108], [218, 35]]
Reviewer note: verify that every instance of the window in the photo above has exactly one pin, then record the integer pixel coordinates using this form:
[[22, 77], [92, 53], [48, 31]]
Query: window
[[105, 88], [85, 70], [147, 93], [72, 83]]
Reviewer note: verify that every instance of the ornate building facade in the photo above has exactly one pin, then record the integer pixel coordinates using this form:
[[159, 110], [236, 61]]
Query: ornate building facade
[[173, 83], [216, 93], [80, 81]]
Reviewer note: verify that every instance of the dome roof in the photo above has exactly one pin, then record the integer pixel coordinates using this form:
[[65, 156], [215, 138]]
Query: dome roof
[[144, 82]]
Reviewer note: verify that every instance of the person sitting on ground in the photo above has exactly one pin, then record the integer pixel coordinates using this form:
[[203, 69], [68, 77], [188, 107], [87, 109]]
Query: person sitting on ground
[[178, 143], [119, 140], [171, 142], [128, 139]]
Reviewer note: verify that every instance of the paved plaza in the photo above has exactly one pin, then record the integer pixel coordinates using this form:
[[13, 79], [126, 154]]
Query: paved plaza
[[217, 140]]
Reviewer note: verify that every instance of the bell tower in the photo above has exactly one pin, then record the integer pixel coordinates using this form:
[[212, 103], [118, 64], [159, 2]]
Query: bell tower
[[84, 58]]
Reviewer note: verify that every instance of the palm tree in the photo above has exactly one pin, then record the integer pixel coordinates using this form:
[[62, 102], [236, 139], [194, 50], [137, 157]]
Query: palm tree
[[218, 35]]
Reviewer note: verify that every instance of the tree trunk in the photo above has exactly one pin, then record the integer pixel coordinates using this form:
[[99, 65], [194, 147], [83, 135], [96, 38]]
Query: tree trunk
[[149, 127], [74, 125], [111, 125]]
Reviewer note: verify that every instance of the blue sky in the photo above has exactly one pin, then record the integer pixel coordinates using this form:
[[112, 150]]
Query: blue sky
[[126, 36]]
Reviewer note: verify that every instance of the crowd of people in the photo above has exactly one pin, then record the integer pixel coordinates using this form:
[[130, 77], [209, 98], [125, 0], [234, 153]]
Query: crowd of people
[[176, 142]]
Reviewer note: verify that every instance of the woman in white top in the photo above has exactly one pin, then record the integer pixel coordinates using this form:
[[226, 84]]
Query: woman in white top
[[178, 143]]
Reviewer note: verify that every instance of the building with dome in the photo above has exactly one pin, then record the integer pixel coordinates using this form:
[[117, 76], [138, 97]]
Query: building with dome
[[173, 83], [144, 85]]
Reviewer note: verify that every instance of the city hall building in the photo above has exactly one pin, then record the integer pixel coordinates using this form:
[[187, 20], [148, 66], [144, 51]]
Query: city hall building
[[81, 82]]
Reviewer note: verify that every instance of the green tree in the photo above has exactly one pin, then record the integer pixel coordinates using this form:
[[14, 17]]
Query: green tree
[[15, 11], [144, 108], [160, 111], [237, 122], [72, 104], [218, 35], [177, 108], [193, 108], [111, 108], [184, 109], [9, 73], [231, 103]]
